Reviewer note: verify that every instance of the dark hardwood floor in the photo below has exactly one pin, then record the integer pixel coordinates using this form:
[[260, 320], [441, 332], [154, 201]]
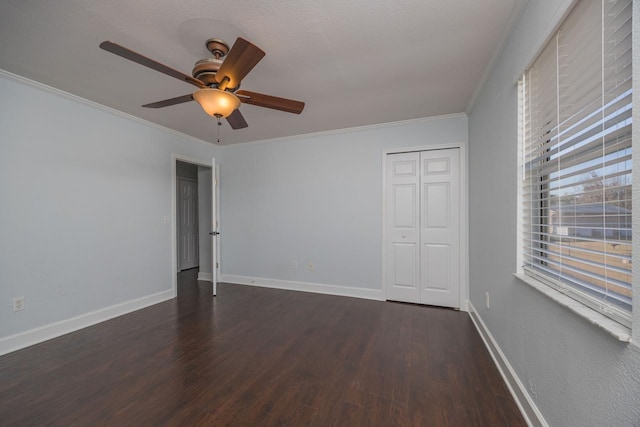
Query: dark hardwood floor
[[261, 357]]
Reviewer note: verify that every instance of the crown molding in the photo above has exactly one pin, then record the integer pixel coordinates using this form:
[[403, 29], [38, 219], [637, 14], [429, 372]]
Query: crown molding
[[75, 98], [516, 13], [349, 130], [52, 90]]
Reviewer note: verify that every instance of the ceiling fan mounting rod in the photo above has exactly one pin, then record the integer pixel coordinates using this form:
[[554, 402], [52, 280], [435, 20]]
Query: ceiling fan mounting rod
[[224, 83], [218, 48]]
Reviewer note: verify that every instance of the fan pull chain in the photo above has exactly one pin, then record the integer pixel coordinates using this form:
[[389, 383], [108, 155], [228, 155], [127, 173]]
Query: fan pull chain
[[219, 124]]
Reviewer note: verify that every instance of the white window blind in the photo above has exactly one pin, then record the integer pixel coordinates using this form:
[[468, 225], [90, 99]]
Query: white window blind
[[576, 131]]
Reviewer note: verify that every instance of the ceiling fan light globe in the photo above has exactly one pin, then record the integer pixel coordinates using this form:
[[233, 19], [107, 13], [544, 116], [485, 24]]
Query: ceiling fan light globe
[[216, 102]]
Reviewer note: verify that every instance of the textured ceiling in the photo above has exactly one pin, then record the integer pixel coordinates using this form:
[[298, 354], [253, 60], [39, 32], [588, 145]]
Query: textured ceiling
[[354, 63]]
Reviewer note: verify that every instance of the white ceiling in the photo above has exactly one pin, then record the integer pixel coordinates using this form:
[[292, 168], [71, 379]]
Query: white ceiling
[[354, 62]]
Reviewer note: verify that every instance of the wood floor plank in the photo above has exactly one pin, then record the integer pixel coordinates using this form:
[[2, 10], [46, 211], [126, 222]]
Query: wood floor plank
[[261, 357]]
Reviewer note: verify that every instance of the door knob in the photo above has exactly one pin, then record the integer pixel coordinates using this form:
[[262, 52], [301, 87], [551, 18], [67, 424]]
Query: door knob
[[214, 233]]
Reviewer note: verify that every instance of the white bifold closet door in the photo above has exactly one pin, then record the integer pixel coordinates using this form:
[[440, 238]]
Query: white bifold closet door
[[423, 227]]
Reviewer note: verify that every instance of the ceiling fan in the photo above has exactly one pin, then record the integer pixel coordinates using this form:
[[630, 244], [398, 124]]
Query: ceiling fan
[[218, 81]]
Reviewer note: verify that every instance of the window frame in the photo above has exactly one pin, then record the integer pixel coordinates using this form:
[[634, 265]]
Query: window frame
[[584, 304]]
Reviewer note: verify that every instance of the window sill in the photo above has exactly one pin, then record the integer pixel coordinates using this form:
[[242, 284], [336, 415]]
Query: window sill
[[618, 331]]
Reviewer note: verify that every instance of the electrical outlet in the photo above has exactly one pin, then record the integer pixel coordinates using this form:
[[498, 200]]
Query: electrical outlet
[[486, 299], [18, 304], [310, 266], [294, 264]]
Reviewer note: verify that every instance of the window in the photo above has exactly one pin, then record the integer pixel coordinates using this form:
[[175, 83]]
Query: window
[[575, 124]]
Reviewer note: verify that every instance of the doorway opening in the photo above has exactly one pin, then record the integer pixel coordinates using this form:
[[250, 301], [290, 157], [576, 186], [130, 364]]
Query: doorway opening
[[195, 224]]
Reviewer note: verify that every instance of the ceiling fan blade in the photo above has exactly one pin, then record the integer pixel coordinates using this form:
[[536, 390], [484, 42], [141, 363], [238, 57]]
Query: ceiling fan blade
[[148, 62], [241, 59], [168, 102], [236, 120], [268, 101]]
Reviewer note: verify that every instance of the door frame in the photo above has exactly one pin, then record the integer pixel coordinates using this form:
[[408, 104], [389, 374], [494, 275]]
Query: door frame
[[215, 269], [464, 219], [207, 162]]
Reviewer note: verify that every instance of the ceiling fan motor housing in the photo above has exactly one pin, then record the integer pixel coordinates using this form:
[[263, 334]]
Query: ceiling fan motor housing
[[205, 70]]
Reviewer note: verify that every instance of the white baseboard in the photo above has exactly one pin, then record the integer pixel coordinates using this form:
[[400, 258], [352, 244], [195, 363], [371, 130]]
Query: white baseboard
[[205, 277], [527, 406], [318, 288], [53, 330]]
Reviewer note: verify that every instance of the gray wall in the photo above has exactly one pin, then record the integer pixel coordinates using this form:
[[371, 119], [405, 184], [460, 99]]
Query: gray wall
[[577, 374], [186, 170], [85, 194], [315, 199]]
